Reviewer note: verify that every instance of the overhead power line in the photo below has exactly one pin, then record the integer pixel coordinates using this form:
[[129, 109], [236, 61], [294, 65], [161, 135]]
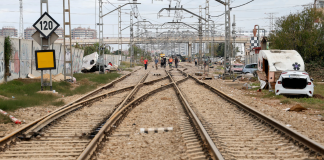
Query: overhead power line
[[242, 4]]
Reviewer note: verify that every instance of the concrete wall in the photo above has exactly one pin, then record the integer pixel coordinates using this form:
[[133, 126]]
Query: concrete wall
[[114, 59], [2, 65], [23, 59]]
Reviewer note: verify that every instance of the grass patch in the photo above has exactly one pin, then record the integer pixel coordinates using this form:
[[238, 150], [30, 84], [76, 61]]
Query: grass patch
[[319, 89], [4, 119], [221, 73], [58, 103], [26, 93], [307, 102], [271, 95]]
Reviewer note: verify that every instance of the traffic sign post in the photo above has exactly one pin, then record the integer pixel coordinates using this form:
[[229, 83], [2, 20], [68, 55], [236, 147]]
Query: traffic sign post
[[45, 58], [46, 25]]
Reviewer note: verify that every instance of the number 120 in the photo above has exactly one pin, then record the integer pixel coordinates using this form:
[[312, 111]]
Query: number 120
[[50, 25]]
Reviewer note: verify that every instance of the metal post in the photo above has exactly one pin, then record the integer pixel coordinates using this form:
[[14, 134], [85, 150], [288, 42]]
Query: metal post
[[234, 35], [207, 25], [100, 25], [200, 43], [119, 30], [227, 34], [131, 38], [43, 47], [67, 48]]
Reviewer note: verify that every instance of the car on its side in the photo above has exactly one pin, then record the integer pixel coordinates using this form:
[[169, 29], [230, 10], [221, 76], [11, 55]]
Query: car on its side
[[237, 68], [250, 68], [294, 83]]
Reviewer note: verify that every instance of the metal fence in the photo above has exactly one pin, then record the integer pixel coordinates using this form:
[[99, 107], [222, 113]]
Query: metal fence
[[251, 59]]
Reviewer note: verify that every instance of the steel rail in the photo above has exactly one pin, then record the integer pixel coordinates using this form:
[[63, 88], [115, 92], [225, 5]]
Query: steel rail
[[71, 108], [114, 121], [208, 142], [296, 137], [156, 80], [130, 95], [11, 137], [32, 131]]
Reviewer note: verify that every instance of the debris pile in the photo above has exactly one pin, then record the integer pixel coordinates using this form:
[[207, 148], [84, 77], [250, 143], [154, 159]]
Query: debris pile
[[297, 108]]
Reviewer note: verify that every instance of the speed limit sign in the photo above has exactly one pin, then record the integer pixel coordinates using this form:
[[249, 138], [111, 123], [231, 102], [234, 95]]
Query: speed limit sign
[[46, 25]]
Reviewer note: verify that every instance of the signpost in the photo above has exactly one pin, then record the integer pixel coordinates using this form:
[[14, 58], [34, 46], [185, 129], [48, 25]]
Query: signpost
[[45, 58], [46, 25]]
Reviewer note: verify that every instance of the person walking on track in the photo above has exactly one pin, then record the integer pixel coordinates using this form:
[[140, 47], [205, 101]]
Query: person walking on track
[[156, 63], [164, 62], [145, 63], [170, 62], [176, 61]]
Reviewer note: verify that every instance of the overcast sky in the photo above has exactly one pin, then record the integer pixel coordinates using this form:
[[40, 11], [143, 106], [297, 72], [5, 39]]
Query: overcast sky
[[83, 12]]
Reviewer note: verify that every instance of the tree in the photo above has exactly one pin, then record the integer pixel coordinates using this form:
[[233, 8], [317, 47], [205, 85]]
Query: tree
[[137, 51], [303, 32], [94, 48], [218, 49]]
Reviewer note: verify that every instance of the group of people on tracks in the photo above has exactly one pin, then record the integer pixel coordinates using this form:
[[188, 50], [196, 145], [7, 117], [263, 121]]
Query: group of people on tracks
[[163, 62]]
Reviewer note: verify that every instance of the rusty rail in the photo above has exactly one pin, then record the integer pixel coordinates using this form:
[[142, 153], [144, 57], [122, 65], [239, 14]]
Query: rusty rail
[[293, 135], [208, 142]]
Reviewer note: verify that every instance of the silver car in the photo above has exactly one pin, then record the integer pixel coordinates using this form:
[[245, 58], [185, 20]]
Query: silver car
[[250, 68]]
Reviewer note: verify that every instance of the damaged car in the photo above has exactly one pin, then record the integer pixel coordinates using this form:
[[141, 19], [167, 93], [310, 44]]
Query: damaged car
[[294, 83]]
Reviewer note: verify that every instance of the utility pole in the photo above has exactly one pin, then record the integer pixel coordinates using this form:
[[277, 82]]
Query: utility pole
[[234, 35], [207, 24], [120, 45], [101, 23], [67, 47], [200, 38], [227, 32], [271, 21], [131, 39], [21, 21]]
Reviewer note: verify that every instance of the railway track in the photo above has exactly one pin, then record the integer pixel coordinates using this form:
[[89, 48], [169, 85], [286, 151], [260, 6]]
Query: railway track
[[121, 136], [65, 133], [12, 138], [78, 120], [240, 132], [145, 121]]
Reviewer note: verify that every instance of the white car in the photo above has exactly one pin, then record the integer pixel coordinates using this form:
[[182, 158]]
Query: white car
[[294, 83]]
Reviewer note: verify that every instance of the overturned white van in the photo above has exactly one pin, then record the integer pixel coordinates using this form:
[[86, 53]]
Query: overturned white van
[[89, 62], [271, 63]]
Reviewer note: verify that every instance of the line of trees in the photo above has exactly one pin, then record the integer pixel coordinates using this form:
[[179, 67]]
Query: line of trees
[[302, 31]]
